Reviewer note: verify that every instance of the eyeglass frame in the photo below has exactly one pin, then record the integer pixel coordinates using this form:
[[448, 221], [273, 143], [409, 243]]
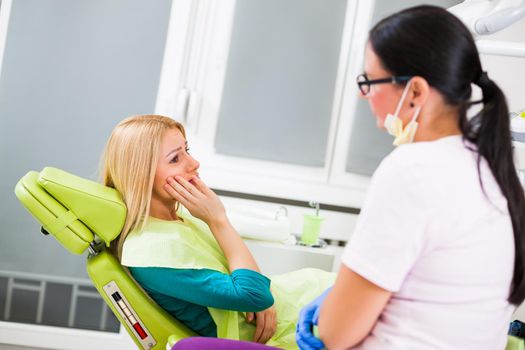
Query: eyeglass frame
[[393, 80]]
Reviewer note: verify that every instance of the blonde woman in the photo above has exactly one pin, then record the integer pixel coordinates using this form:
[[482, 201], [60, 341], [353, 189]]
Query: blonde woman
[[192, 262]]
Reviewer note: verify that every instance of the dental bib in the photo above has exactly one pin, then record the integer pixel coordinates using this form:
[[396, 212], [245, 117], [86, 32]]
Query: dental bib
[[189, 244]]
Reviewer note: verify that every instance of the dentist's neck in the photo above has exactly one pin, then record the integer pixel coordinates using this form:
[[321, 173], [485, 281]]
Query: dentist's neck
[[437, 120]]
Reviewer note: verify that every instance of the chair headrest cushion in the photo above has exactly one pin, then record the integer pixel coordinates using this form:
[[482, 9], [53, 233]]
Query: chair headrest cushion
[[72, 208]]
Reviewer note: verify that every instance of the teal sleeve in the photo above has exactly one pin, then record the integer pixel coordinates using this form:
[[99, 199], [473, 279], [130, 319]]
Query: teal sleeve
[[242, 290]]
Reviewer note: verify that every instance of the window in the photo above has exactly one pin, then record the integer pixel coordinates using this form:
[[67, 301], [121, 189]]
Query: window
[[70, 72], [267, 91]]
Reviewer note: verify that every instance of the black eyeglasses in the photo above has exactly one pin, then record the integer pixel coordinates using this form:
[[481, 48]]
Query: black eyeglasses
[[364, 84]]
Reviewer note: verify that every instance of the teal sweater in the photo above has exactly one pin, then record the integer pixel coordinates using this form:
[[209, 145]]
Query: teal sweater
[[186, 293]]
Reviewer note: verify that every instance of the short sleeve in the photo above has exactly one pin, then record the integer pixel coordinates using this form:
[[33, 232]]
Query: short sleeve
[[390, 231]]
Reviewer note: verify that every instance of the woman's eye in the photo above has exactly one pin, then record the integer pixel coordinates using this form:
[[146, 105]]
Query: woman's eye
[[175, 159], [188, 150]]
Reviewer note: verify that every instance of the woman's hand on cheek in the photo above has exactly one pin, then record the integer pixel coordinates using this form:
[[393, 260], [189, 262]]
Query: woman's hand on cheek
[[201, 202]]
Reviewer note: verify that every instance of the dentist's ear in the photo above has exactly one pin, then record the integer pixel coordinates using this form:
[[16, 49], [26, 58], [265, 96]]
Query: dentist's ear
[[419, 91]]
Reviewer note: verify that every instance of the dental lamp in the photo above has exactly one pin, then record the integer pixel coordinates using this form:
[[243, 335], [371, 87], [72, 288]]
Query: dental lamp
[[485, 17]]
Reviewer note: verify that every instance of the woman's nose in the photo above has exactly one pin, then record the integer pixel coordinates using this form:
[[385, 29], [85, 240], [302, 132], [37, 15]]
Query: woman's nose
[[194, 164]]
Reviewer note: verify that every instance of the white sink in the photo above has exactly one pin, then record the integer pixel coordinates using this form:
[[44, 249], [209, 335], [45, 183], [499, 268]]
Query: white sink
[[277, 258]]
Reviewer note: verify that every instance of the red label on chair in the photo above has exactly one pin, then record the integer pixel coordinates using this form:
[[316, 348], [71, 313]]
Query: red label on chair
[[142, 334], [129, 316]]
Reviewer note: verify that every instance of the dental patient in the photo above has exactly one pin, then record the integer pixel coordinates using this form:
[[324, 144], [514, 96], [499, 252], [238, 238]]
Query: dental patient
[[179, 245]]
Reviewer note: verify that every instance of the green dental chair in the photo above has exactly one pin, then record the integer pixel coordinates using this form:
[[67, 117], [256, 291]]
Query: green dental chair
[[85, 215]]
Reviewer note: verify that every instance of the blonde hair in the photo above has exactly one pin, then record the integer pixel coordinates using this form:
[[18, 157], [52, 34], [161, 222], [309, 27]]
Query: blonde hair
[[129, 164]]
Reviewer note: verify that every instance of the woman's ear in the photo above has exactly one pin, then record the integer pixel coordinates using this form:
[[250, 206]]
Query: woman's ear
[[419, 91]]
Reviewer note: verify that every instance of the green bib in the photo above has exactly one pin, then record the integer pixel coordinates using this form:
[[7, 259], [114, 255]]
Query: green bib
[[191, 245]]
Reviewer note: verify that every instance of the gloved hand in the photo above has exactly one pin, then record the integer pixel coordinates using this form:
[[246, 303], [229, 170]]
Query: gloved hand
[[308, 317]]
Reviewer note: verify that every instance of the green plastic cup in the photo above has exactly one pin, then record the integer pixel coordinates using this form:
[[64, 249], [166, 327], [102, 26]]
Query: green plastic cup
[[311, 228]]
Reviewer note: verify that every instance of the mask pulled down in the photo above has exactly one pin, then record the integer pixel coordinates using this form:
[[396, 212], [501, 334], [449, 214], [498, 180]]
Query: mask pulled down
[[394, 125]]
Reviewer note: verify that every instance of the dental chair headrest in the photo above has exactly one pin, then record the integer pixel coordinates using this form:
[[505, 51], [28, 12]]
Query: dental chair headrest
[[71, 208]]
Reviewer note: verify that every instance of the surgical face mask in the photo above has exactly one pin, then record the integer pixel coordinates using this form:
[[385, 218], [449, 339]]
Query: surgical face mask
[[394, 125]]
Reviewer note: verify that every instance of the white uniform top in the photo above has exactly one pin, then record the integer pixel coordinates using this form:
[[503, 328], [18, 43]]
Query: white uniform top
[[428, 233]]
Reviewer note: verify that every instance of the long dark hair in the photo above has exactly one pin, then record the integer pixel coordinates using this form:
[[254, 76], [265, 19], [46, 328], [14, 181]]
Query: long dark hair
[[430, 42]]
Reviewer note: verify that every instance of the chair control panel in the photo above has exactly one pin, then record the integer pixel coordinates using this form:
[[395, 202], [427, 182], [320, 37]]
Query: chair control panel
[[129, 316]]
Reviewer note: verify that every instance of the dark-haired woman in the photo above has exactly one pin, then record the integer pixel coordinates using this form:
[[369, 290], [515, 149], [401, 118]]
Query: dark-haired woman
[[437, 257]]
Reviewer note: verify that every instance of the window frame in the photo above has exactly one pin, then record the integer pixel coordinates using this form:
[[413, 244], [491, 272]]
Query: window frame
[[196, 71]]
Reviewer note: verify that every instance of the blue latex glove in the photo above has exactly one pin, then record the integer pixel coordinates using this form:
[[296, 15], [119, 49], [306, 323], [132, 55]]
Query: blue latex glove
[[308, 317]]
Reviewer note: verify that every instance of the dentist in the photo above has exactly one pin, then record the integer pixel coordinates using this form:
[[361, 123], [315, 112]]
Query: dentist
[[437, 257]]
